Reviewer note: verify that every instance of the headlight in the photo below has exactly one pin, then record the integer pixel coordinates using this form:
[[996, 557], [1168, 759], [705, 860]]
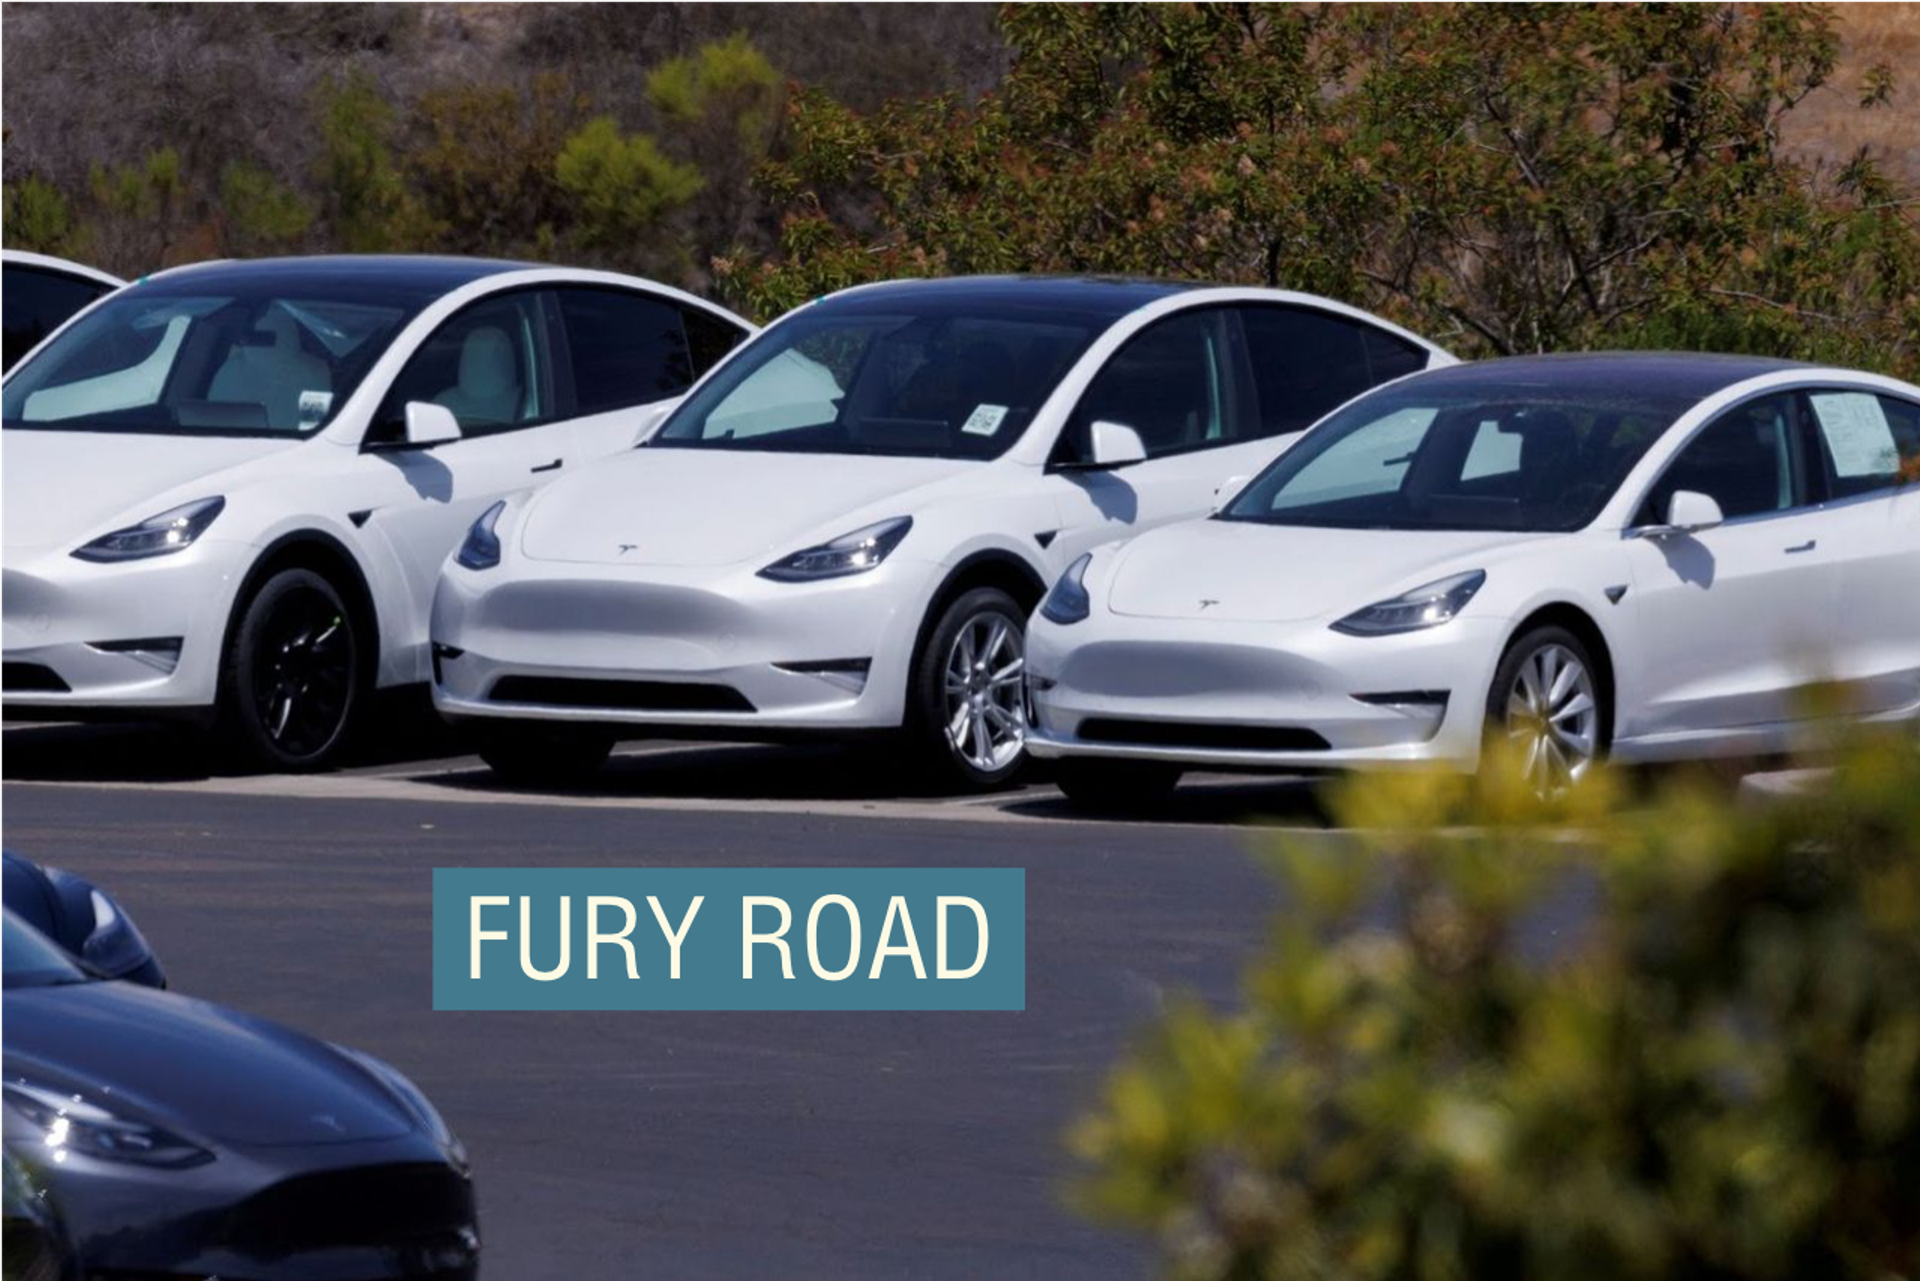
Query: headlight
[[412, 1096], [854, 553], [1068, 602], [170, 531], [1420, 608], [68, 1123], [481, 550]]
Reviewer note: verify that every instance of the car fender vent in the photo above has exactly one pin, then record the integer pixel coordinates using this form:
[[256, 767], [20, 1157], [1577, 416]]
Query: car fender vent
[[31, 678]]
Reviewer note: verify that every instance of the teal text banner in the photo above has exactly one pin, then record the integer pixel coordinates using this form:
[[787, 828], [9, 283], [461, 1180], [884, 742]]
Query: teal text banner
[[737, 938]]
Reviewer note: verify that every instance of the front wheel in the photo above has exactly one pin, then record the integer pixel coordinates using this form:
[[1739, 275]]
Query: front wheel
[[290, 682], [1545, 717], [537, 754], [968, 699]]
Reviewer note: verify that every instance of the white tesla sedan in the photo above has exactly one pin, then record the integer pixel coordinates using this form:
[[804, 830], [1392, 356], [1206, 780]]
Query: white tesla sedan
[[229, 487], [844, 528], [1647, 554]]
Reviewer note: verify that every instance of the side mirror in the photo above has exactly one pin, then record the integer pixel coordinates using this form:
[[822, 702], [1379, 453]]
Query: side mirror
[[430, 424], [1688, 511], [1228, 491], [1116, 445]]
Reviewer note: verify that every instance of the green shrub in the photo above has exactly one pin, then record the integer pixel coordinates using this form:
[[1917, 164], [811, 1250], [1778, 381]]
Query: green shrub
[[1672, 1040]]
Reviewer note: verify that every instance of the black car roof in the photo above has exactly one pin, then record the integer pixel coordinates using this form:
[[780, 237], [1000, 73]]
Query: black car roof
[[1101, 298], [1661, 375], [407, 273]]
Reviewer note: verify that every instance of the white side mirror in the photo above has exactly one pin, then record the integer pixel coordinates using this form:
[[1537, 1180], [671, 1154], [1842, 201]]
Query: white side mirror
[[430, 424], [1689, 510], [1116, 445], [1228, 491]]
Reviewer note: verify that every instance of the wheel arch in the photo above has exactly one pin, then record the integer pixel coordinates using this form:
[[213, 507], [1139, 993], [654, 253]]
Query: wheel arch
[[327, 556], [1573, 618], [992, 567]]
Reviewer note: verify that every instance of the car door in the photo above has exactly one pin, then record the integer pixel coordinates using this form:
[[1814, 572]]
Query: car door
[[491, 364], [626, 357], [1734, 623], [1213, 393], [1869, 448]]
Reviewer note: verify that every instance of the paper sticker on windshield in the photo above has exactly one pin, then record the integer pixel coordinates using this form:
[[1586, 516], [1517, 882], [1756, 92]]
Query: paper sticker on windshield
[[984, 420], [314, 406], [1858, 434]]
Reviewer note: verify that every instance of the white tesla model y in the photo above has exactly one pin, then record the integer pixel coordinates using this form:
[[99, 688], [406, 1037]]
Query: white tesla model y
[[844, 527], [229, 487], [1648, 554]]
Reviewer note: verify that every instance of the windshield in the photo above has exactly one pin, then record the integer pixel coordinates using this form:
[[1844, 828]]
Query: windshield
[[28, 959], [936, 384], [1426, 455], [207, 356]]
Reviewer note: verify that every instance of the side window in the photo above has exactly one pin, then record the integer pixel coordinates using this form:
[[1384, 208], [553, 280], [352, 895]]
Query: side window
[[36, 302], [1306, 363], [624, 348], [708, 338], [1747, 460], [1866, 442], [488, 364], [1171, 382]]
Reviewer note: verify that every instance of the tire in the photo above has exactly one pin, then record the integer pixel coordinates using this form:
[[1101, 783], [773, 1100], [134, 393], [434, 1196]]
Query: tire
[[980, 641], [538, 754], [1547, 711], [1115, 787], [291, 681]]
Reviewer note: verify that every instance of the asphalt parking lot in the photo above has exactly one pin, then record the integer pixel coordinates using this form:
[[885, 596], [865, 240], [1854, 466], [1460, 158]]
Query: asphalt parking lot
[[619, 1145]]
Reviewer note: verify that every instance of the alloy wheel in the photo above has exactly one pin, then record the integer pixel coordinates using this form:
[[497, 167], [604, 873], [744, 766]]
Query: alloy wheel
[[1553, 719], [985, 691], [303, 673]]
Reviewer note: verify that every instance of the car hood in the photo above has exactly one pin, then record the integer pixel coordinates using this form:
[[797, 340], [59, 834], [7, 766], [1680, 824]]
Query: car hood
[[208, 1072], [700, 507], [1238, 571], [61, 486]]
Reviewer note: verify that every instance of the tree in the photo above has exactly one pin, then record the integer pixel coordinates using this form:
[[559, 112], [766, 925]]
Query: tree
[[1519, 178], [623, 188], [720, 109], [1713, 1072], [364, 194]]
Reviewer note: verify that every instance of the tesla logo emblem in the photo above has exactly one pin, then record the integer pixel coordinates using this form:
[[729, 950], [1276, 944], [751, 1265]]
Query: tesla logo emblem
[[1208, 604], [627, 547], [330, 1121]]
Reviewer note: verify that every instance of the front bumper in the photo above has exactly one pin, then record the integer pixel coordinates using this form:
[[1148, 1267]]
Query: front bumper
[[1259, 696], [708, 649], [68, 625], [322, 1212]]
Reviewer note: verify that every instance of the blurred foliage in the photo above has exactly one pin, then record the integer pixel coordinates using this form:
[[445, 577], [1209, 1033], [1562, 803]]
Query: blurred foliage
[[1492, 1039], [1505, 179]]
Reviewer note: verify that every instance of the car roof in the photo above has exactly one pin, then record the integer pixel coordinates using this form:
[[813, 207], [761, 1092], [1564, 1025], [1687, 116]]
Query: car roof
[[1661, 375], [62, 266], [1105, 298], [411, 273]]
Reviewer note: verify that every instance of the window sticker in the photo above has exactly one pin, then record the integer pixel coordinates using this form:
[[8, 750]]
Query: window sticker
[[984, 420], [1858, 434], [314, 406]]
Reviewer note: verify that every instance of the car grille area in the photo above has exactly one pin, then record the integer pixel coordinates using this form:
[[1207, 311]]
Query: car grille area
[[615, 695], [31, 678], [422, 1213], [1200, 736]]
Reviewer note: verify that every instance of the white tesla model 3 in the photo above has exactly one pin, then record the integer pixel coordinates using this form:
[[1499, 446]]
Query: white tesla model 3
[[230, 487], [844, 527], [1648, 554]]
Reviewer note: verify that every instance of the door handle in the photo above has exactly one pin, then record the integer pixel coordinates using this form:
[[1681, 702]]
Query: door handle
[[1803, 547], [552, 466]]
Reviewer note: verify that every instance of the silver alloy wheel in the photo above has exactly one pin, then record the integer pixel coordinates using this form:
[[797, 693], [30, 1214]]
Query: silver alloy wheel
[[986, 702], [1553, 719]]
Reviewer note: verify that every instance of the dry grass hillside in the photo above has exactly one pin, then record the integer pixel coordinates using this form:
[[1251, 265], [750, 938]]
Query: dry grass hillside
[[1830, 126]]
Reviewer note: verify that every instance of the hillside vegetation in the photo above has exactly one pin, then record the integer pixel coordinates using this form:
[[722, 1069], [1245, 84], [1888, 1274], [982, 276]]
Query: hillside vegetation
[[1504, 179]]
